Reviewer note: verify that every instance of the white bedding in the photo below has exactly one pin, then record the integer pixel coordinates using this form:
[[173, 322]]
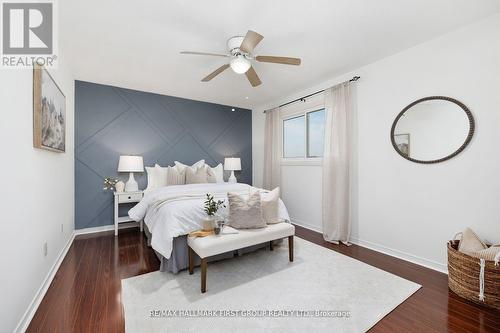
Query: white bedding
[[173, 211]]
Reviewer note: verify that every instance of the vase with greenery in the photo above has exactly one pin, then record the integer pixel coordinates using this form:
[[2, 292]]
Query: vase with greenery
[[211, 208], [109, 183]]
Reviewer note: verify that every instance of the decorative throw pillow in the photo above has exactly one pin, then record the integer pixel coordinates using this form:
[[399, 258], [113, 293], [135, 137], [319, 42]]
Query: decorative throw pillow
[[245, 214], [157, 177], [175, 177], [182, 167], [470, 242], [196, 176], [216, 174], [270, 206]]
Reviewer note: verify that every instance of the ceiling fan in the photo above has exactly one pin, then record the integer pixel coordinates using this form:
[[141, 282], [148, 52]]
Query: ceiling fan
[[240, 50]]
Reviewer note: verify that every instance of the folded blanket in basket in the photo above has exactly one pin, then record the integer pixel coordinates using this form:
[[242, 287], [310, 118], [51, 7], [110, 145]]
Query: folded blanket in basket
[[472, 245], [492, 254]]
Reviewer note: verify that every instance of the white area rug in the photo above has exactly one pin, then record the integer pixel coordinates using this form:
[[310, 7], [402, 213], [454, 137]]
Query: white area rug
[[264, 281]]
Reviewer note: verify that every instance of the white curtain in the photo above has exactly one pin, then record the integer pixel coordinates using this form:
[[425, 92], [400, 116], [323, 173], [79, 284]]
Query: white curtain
[[272, 150], [336, 164]]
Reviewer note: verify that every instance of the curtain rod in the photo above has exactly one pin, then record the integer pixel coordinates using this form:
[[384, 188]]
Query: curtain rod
[[355, 78]]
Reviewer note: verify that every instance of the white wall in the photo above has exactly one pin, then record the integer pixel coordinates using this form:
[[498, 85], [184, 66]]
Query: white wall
[[407, 209], [301, 191], [37, 197]]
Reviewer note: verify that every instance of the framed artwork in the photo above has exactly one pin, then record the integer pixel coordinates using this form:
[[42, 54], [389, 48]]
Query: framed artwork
[[49, 112], [403, 143]]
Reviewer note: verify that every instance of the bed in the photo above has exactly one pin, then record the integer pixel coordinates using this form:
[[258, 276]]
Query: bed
[[170, 213]]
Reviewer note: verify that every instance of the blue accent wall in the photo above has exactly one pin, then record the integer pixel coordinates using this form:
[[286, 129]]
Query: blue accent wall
[[111, 121]]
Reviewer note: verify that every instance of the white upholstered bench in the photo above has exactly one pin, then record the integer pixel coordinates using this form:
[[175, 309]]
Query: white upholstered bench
[[209, 246]]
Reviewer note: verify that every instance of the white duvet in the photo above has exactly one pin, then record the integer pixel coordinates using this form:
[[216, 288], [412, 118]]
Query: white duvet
[[173, 211]]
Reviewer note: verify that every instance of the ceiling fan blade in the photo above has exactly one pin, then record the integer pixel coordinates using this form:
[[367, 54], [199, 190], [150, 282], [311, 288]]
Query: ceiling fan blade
[[253, 77], [279, 60], [205, 53], [250, 41], [215, 73]]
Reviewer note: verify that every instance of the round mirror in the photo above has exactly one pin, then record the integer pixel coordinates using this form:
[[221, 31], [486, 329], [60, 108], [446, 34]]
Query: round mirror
[[432, 129]]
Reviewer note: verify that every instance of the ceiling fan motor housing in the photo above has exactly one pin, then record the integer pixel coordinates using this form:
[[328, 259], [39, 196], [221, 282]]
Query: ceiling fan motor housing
[[233, 46]]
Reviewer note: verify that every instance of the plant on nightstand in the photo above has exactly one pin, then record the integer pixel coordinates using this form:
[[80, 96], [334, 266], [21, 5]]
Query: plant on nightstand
[[211, 208], [109, 183]]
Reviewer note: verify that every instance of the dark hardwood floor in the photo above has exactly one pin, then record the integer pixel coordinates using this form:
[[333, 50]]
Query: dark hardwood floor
[[433, 308], [85, 295]]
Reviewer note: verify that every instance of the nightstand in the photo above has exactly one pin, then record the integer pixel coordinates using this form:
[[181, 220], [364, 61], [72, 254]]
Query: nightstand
[[121, 198]]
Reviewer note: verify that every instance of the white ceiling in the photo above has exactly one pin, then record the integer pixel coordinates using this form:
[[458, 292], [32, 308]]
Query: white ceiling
[[136, 44]]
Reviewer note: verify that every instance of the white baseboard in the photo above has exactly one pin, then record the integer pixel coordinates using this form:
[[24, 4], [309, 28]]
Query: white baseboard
[[306, 225], [401, 255], [385, 250], [105, 228], [35, 303]]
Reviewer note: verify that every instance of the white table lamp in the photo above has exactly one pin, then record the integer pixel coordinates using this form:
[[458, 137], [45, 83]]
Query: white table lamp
[[131, 164], [232, 164]]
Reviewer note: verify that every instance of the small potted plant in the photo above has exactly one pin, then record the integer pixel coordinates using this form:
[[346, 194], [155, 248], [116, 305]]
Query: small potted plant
[[109, 183], [211, 208]]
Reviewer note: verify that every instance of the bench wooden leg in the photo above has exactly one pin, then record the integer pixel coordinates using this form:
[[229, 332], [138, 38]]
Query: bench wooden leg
[[290, 248], [191, 260], [271, 246], [203, 275]]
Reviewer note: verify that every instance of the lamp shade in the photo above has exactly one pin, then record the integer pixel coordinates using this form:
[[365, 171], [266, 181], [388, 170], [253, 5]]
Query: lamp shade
[[232, 163], [130, 163]]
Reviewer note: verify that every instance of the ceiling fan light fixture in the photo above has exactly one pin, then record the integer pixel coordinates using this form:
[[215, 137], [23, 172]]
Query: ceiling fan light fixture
[[241, 56], [239, 64]]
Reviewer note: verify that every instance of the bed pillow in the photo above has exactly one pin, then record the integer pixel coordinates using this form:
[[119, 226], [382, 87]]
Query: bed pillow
[[270, 206], [151, 173], [182, 167], [470, 242], [175, 177], [216, 174], [162, 173], [245, 214], [157, 177], [196, 176]]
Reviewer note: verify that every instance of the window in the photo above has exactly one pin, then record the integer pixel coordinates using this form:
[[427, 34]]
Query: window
[[303, 136], [294, 137], [315, 133]]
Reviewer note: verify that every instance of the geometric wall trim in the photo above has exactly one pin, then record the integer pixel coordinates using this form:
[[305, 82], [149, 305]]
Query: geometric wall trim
[[111, 121]]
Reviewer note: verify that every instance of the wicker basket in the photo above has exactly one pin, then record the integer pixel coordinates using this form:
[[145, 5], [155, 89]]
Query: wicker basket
[[464, 277]]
